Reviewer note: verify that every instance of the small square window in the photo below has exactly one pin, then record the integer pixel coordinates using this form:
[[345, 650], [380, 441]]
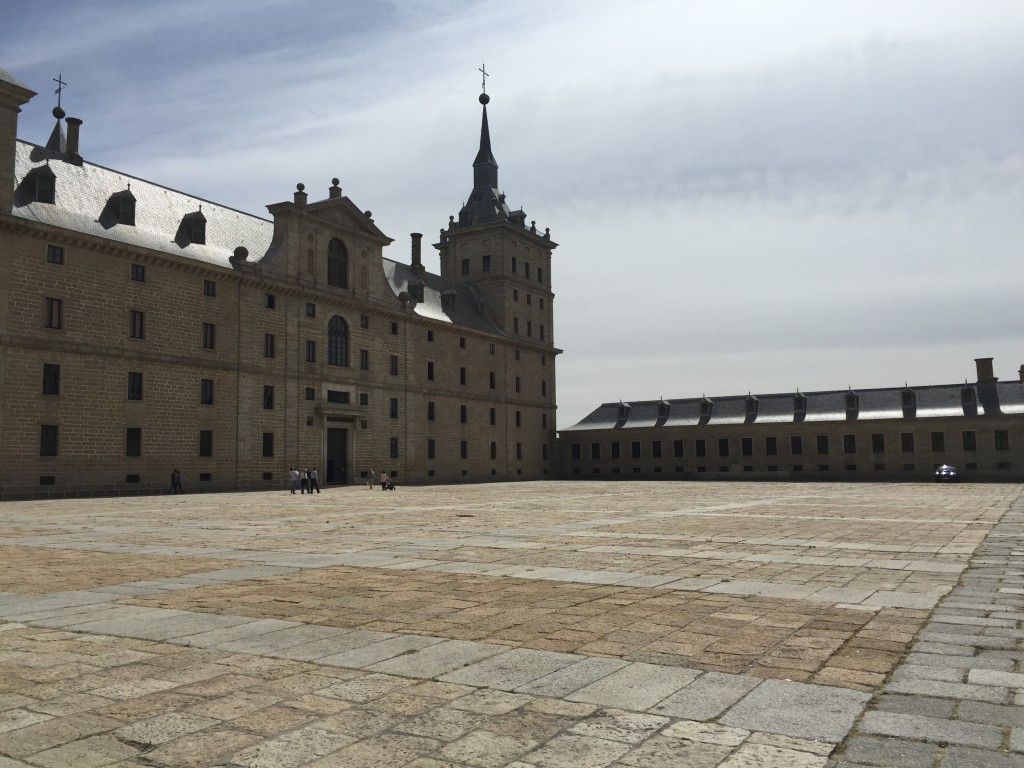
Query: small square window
[[364, 398], [138, 273], [486, 263], [54, 254], [310, 393], [465, 266], [270, 301], [364, 321], [209, 288], [310, 309]]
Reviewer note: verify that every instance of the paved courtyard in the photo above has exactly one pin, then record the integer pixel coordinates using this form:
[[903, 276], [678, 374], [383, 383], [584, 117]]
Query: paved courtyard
[[532, 625]]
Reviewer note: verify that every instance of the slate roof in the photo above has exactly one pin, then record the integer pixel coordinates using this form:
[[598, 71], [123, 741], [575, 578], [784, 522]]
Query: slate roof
[[7, 77], [82, 193], [944, 400]]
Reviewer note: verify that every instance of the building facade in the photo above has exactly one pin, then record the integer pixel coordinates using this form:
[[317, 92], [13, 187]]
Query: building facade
[[143, 329], [895, 434]]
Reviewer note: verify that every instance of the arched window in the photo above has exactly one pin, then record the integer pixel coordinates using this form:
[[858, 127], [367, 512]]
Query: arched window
[[337, 341], [337, 264]]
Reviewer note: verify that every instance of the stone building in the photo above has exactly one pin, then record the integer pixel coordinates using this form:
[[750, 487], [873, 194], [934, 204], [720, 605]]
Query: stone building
[[144, 329], [899, 433]]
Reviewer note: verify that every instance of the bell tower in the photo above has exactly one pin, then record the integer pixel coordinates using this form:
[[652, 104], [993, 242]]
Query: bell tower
[[492, 248]]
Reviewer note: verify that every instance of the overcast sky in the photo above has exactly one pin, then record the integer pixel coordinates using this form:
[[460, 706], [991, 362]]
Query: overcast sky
[[747, 195]]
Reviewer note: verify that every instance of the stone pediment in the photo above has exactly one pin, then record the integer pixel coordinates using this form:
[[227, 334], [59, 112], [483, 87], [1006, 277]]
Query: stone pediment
[[343, 214]]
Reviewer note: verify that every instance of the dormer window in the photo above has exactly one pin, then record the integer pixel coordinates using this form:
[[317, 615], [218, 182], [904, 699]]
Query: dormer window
[[751, 407], [663, 409], [120, 208], [706, 406], [967, 398], [45, 185], [909, 399], [623, 410], [799, 406], [193, 228], [416, 291]]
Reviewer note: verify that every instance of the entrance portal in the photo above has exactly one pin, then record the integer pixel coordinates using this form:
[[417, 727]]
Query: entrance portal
[[337, 456]]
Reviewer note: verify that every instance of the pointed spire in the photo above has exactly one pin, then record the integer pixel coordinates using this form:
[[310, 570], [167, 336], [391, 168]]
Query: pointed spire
[[485, 167]]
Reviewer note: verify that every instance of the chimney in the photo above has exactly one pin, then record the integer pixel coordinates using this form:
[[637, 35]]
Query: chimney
[[1021, 372], [984, 365], [417, 260], [71, 147]]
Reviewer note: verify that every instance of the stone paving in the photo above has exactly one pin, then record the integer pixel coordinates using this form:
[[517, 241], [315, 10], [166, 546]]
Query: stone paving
[[531, 625]]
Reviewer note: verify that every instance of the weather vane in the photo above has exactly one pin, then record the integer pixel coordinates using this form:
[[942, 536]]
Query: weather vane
[[483, 80], [60, 86]]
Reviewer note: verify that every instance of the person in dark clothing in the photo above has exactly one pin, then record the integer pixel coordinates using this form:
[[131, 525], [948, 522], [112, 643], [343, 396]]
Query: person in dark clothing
[[175, 481]]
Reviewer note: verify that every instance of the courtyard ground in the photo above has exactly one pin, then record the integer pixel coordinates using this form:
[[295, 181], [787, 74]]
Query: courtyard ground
[[544, 625]]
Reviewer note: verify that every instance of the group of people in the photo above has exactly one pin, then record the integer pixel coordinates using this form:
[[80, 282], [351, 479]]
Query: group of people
[[307, 480], [386, 483]]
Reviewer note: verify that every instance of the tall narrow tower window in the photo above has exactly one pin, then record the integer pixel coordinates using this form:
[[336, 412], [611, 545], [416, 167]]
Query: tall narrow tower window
[[337, 341], [337, 264]]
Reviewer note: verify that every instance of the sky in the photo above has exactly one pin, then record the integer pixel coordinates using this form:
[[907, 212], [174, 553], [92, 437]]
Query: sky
[[748, 196]]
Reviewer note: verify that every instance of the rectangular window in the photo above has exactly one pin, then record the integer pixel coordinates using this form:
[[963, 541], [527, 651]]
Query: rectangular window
[[364, 321], [700, 448], [268, 345], [133, 441], [48, 440], [519, 418], [394, 365], [431, 448], [970, 440], [529, 328], [465, 266], [771, 446], [394, 447], [796, 445], [209, 288], [364, 360], [494, 417], [394, 328], [310, 393], [270, 301], [519, 451], [486, 263], [544, 388], [723, 446], [526, 269], [849, 443], [540, 274], [206, 442], [268, 396], [51, 379], [513, 265], [53, 313], [822, 441], [430, 370], [138, 273], [1002, 440], [268, 445], [310, 309], [542, 332], [518, 384], [462, 342], [430, 335], [494, 451], [907, 442], [515, 325], [134, 385], [677, 448], [616, 450], [393, 408], [310, 351], [576, 451], [206, 392], [543, 421], [655, 449], [878, 443], [54, 254], [136, 324], [492, 381], [463, 449], [462, 376], [209, 336], [635, 449], [938, 442], [595, 451], [463, 416], [747, 446], [515, 294], [338, 396]]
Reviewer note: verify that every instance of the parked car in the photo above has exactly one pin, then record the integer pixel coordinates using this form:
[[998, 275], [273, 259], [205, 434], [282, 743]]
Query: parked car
[[947, 473]]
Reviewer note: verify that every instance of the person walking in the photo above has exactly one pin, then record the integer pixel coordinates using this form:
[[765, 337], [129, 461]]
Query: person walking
[[294, 475], [175, 481], [314, 481], [384, 480], [369, 479], [304, 480]]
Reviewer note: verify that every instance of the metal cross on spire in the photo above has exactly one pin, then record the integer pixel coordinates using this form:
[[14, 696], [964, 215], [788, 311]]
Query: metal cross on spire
[[483, 79], [60, 86]]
